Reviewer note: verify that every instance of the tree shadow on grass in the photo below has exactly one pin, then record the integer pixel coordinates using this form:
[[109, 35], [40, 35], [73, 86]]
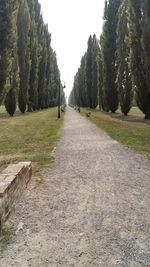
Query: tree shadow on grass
[[5, 115], [128, 118]]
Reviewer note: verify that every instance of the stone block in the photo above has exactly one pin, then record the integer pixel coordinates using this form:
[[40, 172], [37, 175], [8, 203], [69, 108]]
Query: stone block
[[13, 180]]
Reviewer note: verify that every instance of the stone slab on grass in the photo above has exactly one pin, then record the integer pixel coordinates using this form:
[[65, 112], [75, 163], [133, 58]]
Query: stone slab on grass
[[13, 180]]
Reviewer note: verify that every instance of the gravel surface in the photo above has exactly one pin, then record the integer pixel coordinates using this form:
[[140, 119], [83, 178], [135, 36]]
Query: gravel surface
[[93, 208]]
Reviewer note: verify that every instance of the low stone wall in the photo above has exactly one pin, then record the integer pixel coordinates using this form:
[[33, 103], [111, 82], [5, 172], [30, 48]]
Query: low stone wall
[[13, 180]]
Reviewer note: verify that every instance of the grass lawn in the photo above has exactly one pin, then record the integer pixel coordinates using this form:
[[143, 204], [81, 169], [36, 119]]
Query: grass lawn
[[28, 137], [132, 130], [6, 237]]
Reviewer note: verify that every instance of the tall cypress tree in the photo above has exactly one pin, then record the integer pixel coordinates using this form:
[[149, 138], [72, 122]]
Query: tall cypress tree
[[76, 89], [23, 53], [89, 71], [82, 85], [7, 8], [42, 63], [108, 42], [94, 89], [48, 71], [52, 86], [100, 79], [124, 78], [34, 49], [55, 78], [11, 97], [139, 15]]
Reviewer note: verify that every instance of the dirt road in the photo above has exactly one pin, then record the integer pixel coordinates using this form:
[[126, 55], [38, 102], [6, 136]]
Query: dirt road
[[93, 208]]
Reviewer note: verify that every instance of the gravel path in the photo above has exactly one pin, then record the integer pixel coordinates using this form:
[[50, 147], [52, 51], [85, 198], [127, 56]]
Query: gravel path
[[93, 208]]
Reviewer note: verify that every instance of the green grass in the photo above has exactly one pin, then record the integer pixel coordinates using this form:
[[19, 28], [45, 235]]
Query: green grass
[[6, 237], [132, 130], [28, 137]]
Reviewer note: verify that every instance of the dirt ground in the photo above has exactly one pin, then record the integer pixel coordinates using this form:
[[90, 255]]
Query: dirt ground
[[92, 209]]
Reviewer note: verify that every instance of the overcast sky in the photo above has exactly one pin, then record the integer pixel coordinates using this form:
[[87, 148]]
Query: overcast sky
[[71, 22]]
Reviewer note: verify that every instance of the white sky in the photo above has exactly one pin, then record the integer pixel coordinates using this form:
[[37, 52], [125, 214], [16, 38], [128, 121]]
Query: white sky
[[71, 22]]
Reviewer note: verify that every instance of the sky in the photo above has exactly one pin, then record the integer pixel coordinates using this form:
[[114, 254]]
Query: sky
[[71, 22]]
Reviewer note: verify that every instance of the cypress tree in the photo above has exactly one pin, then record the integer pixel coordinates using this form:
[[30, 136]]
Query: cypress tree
[[48, 71], [42, 64], [94, 89], [76, 90], [23, 53], [108, 43], [105, 105], [7, 8], [55, 79], [11, 97], [139, 15], [34, 49], [100, 78], [52, 85], [146, 48], [89, 71], [82, 85], [124, 79]]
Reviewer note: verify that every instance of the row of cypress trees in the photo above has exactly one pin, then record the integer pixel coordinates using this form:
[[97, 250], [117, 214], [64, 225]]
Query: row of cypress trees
[[29, 74], [116, 68], [85, 81]]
